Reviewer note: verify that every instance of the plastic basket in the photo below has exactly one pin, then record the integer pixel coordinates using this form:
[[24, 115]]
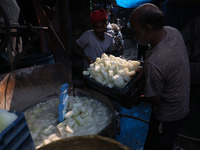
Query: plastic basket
[[126, 96], [17, 135]]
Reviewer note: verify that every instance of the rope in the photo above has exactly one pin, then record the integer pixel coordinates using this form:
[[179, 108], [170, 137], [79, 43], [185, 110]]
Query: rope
[[181, 135]]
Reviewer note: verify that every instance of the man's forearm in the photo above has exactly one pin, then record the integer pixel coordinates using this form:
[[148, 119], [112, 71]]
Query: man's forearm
[[153, 99], [77, 50]]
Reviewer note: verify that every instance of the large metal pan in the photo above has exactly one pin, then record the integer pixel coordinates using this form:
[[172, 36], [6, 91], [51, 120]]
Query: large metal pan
[[24, 88]]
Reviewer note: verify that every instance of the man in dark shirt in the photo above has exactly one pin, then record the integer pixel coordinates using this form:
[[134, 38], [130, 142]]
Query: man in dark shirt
[[167, 75]]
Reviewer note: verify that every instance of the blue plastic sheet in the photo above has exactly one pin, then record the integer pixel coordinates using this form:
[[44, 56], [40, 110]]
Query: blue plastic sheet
[[131, 3], [133, 131]]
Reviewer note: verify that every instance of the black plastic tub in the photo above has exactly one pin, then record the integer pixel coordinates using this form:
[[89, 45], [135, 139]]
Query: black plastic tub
[[126, 96]]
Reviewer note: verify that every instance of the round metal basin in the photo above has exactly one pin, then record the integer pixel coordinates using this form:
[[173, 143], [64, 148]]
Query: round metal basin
[[24, 88]]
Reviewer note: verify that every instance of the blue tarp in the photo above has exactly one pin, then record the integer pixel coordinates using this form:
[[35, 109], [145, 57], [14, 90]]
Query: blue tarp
[[131, 3], [133, 131]]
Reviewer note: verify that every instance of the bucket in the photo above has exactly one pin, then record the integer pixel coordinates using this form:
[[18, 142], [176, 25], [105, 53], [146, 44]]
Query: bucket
[[37, 59], [28, 61], [90, 142]]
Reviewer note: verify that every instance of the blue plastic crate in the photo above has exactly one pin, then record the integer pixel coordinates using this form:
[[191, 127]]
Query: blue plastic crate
[[17, 135]]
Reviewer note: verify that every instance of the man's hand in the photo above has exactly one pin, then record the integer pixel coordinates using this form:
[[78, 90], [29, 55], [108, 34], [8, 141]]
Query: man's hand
[[153, 99], [140, 74]]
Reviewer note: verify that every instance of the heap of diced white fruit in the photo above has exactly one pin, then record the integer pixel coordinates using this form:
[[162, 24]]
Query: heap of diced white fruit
[[112, 71], [84, 116]]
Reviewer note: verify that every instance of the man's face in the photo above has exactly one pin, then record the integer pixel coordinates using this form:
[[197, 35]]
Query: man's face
[[99, 29], [138, 32]]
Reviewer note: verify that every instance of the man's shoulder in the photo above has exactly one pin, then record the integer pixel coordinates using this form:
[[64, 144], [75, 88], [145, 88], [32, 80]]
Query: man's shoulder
[[171, 30], [108, 35], [88, 32]]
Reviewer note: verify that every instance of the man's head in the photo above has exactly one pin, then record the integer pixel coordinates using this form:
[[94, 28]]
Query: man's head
[[99, 21], [145, 19]]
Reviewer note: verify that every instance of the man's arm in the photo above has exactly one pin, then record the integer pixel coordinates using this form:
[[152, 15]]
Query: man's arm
[[152, 99], [78, 51]]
